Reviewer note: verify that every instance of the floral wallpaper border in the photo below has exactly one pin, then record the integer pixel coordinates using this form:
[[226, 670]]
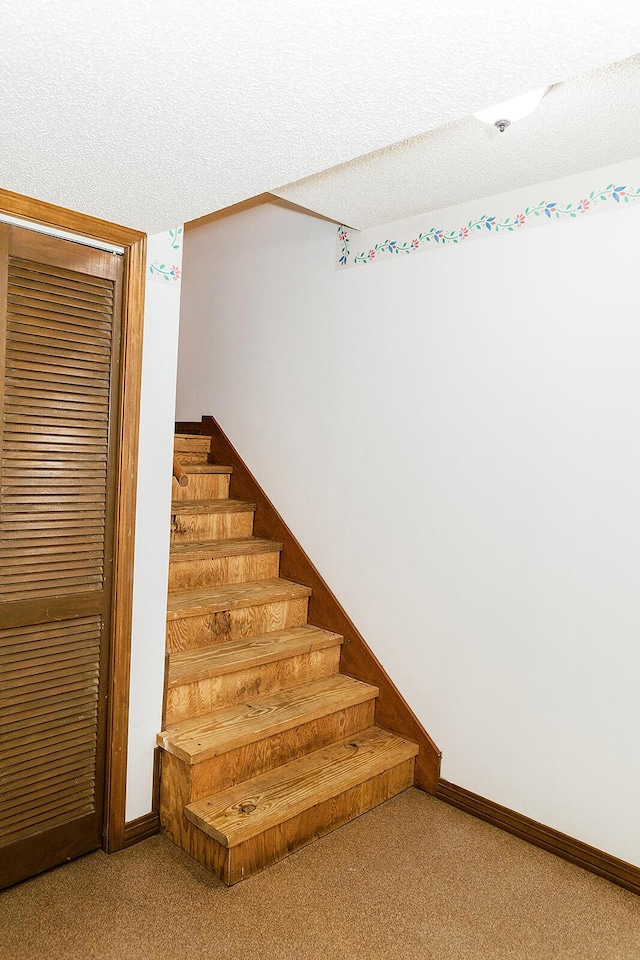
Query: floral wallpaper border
[[549, 210], [164, 268]]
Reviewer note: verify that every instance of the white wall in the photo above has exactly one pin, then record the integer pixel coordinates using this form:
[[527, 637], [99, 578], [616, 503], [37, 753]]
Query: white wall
[[454, 438], [162, 308]]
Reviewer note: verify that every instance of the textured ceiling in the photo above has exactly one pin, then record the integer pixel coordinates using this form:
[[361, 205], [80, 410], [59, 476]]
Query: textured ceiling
[[587, 122], [151, 112]]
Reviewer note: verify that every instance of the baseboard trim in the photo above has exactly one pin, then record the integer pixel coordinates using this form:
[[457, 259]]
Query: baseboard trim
[[589, 858], [149, 824], [141, 829]]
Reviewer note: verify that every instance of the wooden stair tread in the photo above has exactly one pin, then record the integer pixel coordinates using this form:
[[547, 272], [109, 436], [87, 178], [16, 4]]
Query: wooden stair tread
[[212, 506], [232, 596], [231, 727], [206, 468], [250, 808], [207, 549], [192, 665]]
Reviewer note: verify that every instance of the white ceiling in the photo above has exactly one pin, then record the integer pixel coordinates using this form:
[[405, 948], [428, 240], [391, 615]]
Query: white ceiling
[[150, 112], [587, 122]]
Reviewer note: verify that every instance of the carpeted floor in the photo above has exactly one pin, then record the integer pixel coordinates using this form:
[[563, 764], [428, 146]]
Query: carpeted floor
[[413, 879]]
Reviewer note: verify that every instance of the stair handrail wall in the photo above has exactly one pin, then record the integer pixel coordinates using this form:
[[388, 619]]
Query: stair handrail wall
[[357, 659]]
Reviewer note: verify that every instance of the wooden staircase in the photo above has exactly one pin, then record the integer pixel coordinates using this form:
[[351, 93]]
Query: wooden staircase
[[266, 745]]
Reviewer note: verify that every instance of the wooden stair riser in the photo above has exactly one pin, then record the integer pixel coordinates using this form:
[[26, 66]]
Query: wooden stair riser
[[191, 444], [194, 457], [201, 697], [251, 857], [196, 574], [202, 486], [186, 633], [189, 527], [183, 783], [265, 747]]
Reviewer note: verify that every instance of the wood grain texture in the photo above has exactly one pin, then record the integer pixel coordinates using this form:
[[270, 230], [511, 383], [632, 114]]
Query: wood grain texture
[[127, 446], [183, 783], [267, 703], [198, 486], [232, 727], [195, 469], [358, 660], [189, 527], [233, 597], [48, 213], [220, 773], [53, 775], [208, 628], [192, 458], [183, 443], [241, 813], [175, 794], [189, 507], [70, 840], [180, 478], [32, 510], [293, 805], [194, 574], [198, 698], [207, 549], [47, 765], [575, 851], [253, 856], [253, 652]]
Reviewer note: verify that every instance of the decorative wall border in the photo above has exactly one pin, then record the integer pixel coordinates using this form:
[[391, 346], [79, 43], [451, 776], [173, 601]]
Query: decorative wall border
[[166, 250], [433, 236]]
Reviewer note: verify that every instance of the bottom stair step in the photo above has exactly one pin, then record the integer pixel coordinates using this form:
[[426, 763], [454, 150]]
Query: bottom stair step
[[260, 821]]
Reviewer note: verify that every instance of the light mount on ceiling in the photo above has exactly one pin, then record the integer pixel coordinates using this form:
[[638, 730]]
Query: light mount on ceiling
[[502, 115]]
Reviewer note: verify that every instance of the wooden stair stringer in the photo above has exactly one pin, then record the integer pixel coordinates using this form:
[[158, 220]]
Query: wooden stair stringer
[[357, 659], [254, 698]]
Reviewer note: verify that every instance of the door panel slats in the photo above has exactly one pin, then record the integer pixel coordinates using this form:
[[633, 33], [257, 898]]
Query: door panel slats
[[46, 327], [51, 272], [44, 776], [60, 330]]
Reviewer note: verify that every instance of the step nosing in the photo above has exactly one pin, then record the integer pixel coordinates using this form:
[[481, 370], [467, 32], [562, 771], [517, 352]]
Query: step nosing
[[207, 468], [312, 707], [354, 760], [222, 505], [236, 656], [234, 546], [193, 603]]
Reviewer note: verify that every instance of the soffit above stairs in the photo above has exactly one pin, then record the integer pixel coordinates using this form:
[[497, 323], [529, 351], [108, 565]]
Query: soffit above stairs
[[152, 113], [587, 122]]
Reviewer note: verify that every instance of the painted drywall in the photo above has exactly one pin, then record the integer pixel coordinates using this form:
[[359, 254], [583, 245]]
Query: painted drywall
[[160, 345], [453, 438], [162, 112]]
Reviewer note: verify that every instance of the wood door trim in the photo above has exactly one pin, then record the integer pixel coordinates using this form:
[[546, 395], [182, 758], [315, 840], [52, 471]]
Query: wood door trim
[[60, 218], [130, 382], [134, 244]]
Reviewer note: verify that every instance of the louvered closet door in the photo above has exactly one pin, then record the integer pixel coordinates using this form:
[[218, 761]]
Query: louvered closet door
[[59, 320]]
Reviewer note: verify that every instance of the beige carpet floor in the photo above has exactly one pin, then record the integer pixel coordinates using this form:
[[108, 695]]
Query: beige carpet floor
[[413, 879]]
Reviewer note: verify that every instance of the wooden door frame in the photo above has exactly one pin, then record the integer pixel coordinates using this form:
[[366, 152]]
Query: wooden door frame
[[134, 244]]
